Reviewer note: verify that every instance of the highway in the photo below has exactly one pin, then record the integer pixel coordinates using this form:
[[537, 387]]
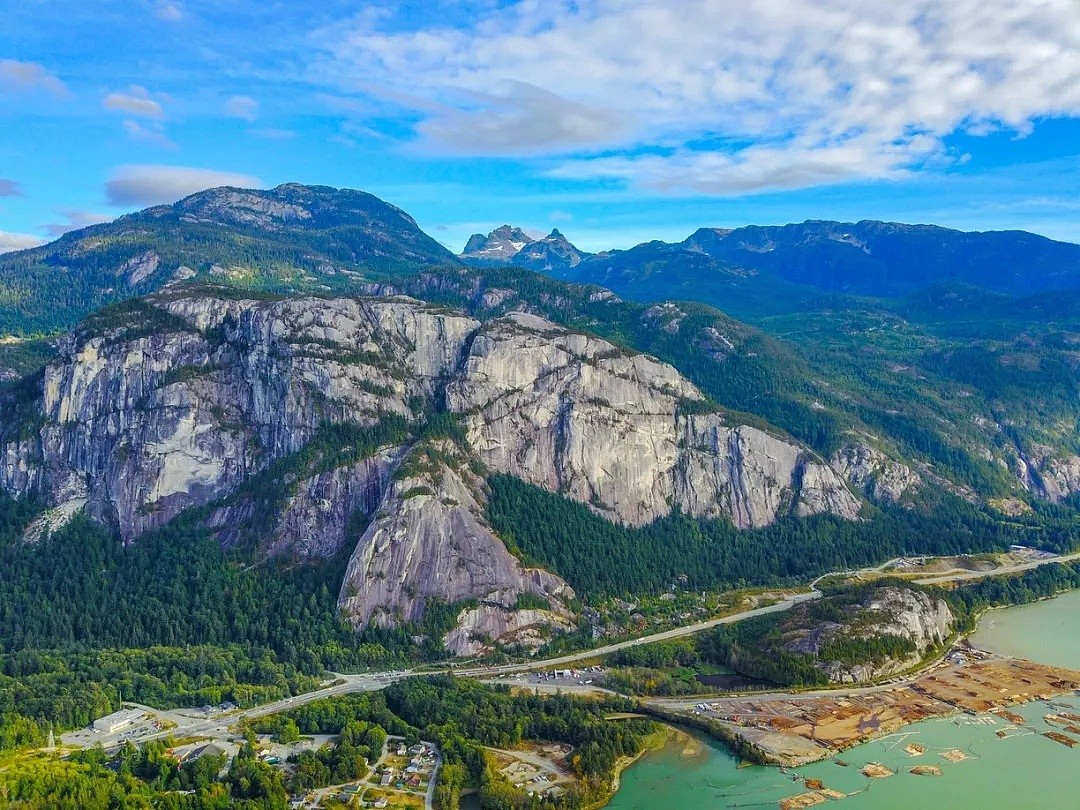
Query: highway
[[217, 726]]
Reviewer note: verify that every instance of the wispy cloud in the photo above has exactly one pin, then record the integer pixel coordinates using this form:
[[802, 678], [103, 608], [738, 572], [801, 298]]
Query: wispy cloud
[[244, 107], [705, 96], [10, 188], [18, 241], [153, 133], [169, 12], [75, 218], [273, 133], [136, 101], [143, 185], [520, 120], [30, 77]]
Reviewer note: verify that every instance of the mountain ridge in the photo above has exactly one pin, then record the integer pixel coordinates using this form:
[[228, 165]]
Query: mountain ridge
[[817, 257], [277, 239]]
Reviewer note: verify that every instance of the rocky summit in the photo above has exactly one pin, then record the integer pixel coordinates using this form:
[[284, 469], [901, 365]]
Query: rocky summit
[[507, 245]]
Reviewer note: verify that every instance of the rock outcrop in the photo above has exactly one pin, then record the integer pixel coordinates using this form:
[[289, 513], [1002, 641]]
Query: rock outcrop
[[901, 612], [875, 474], [429, 540], [1046, 474]]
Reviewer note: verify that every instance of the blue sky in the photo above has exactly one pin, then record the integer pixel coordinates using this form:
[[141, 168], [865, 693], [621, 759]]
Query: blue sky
[[616, 121]]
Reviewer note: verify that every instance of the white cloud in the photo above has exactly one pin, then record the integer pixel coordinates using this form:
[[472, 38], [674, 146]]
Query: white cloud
[[718, 96], [75, 218], [18, 241], [242, 107], [30, 77], [136, 101], [153, 185], [10, 188], [522, 119]]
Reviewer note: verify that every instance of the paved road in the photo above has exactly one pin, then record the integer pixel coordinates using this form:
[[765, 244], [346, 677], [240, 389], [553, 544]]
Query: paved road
[[666, 635], [997, 572], [346, 684]]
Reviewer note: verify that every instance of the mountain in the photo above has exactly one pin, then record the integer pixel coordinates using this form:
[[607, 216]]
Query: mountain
[[972, 388], [289, 237], [284, 424], [512, 246], [501, 245], [553, 252], [867, 258]]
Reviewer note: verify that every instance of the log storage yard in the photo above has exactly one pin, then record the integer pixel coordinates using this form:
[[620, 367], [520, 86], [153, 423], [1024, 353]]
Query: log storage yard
[[795, 729]]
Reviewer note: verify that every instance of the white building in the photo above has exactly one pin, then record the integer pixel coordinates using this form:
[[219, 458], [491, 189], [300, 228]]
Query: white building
[[111, 723]]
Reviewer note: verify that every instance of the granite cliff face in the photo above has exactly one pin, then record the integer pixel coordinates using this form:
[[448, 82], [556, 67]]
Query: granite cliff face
[[430, 540], [200, 399], [618, 431], [184, 399], [1048, 474], [879, 477]]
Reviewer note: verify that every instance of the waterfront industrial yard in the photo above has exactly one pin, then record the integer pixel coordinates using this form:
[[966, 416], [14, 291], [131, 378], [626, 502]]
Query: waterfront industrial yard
[[795, 729]]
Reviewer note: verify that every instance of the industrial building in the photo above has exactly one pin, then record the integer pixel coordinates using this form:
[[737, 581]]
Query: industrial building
[[111, 723]]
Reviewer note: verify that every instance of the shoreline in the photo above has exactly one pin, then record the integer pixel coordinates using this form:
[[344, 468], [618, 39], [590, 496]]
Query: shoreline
[[810, 733], [657, 741]]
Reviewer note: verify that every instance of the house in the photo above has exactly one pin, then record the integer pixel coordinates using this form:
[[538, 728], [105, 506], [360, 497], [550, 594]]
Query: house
[[380, 803], [208, 750], [387, 779]]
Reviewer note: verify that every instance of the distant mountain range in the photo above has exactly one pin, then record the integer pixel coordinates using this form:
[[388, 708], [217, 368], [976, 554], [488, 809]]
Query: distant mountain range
[[867, 258], [316, 237], [512, 246]]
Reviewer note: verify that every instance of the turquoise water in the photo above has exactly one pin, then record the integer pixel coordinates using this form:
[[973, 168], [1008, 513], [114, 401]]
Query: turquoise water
[[1048, 632], [1023, 771]]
